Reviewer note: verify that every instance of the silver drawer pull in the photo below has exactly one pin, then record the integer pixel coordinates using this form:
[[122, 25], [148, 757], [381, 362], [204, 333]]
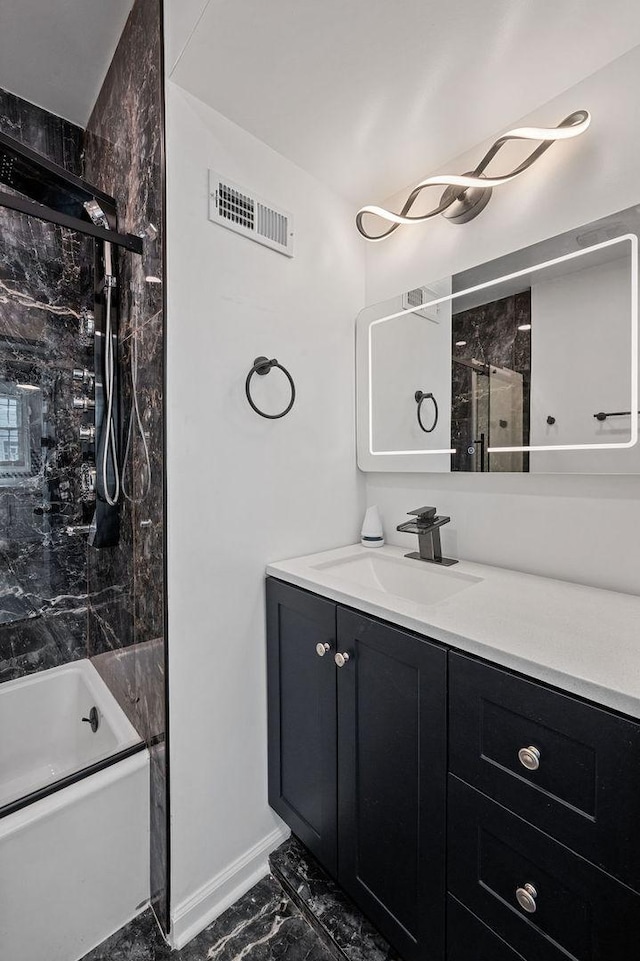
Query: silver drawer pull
[[526, 898], [529, 757], [341, 659], [321, 649]]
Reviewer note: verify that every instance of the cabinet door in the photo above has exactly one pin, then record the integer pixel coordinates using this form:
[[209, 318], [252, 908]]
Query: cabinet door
[[302, 716], [392, 777]]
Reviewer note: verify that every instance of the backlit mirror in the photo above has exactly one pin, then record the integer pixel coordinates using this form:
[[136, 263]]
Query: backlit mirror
[[528, 363]]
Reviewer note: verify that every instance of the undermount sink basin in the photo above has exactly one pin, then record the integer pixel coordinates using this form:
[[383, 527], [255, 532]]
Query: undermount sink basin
[[402, 577]]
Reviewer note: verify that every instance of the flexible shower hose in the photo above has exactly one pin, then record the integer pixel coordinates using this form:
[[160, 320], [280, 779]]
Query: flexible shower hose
[[135, 414]]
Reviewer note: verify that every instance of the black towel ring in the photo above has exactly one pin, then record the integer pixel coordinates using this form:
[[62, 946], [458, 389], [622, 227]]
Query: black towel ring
[[420, 396], [262, 366]]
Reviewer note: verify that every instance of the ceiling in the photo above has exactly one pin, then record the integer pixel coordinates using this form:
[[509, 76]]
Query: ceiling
[[55, 53], [371, 95]]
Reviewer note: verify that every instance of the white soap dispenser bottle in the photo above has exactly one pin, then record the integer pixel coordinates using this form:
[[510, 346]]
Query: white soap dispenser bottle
[[371, 534]]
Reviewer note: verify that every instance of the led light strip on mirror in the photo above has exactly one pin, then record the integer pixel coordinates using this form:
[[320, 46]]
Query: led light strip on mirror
[[527, 271], [467, 195]]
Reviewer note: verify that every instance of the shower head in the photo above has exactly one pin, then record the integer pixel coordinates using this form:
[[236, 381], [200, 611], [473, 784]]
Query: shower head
[[27, 172], [96, 213]]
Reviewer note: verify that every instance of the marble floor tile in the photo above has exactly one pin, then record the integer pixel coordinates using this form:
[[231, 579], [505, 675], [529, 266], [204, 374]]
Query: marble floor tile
[[264, 925], [327, 906]]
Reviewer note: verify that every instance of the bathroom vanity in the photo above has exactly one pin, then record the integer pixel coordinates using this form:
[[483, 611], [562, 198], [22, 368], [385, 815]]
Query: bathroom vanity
[[460, 749]]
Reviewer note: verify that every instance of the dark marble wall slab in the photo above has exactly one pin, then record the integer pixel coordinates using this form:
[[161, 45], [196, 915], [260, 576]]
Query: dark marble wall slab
[[45, 287], [52, 136], [124, 156]]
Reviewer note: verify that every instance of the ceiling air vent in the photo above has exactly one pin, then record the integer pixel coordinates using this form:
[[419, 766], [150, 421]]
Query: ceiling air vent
[[421, 295], [240, 210]]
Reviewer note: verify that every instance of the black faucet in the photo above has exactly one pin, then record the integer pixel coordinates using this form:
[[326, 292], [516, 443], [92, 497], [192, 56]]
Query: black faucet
[[427, 526]]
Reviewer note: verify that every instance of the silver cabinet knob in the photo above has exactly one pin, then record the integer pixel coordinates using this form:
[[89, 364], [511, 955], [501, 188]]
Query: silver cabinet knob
[[529, 757], [341, 659], [526, 898], [321, 649]]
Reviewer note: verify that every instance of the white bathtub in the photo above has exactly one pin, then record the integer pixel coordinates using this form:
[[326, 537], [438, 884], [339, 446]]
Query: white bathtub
[[74, 866], [42, 735]]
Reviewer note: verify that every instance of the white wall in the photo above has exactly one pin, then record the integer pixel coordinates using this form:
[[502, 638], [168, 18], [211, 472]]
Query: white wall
[[243, 491], [573, 527], [181, 18]]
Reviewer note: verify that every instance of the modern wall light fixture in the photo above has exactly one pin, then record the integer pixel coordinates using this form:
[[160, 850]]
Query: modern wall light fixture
[[467, 195]]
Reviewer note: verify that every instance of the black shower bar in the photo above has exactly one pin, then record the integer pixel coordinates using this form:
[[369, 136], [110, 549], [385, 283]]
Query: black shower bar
[[601, 415], [51, 193], [50, 216]]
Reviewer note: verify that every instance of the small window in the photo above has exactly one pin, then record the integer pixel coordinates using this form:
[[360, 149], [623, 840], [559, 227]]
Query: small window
[[15, 435]]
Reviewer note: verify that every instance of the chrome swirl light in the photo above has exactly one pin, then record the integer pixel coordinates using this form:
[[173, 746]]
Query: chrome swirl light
[[467, 195]]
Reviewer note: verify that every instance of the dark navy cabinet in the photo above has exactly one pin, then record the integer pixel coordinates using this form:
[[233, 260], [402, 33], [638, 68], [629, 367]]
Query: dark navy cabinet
[[394, 758], [392, 767], [357, 759], [302, 716]]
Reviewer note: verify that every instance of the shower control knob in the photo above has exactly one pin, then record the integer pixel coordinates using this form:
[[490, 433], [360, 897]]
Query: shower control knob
[[529, 757], [88, 478], [87, 434], [341, 659], [321, 649], [87, 325], [72, 531], [83, 403], [82, 374]]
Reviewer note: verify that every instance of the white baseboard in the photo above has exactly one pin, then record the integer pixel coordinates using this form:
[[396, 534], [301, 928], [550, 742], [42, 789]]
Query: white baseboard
[[193, 915]]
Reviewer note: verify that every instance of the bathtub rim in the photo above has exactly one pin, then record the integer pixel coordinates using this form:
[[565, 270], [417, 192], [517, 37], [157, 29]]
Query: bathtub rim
[[44, 792]]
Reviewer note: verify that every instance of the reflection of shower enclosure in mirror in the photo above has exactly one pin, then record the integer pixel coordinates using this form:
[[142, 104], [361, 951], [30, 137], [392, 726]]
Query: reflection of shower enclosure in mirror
[[506, 395], [556, 326], [489, 413], [490, 396]]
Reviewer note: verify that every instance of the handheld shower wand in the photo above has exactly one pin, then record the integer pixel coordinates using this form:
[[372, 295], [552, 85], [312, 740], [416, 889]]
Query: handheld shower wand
[[109, 446], [149, 236]]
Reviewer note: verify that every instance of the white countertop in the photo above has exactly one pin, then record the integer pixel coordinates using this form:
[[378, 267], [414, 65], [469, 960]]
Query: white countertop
[[581, 639]]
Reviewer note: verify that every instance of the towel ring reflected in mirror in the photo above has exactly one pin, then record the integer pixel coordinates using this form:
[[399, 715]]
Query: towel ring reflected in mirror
[[420, 397]]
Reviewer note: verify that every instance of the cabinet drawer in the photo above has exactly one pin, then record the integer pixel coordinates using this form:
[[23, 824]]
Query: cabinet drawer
[[468, 939], [578, 911], [583, 786]]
